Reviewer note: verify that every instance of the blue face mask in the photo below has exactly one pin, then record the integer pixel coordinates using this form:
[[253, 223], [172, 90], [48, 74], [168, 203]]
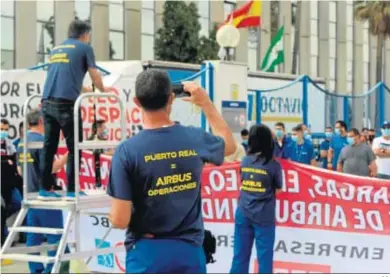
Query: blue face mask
[[294, 138], [278, 133], [308, 137], [328, 134], [3, 134], [350, 141], [386, 132], [337, 131], [245, 141]]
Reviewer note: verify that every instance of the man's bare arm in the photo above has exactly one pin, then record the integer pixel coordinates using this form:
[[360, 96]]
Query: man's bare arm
[[120, 213], [379, 152], [96, 79]]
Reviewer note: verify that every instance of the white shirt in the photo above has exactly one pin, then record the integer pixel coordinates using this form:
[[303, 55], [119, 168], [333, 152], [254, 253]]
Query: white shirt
[[383, 163]]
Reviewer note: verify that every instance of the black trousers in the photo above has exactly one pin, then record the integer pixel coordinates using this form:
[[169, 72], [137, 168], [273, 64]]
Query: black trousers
[[57, 116]]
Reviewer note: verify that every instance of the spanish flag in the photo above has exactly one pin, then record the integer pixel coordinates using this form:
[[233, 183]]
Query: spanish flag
[[246, 16]]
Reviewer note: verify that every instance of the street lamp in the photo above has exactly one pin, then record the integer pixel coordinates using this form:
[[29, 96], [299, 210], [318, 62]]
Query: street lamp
[[228, 38]]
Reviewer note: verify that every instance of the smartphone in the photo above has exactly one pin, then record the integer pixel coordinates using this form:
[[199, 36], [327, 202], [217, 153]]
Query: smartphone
[[179, 92]]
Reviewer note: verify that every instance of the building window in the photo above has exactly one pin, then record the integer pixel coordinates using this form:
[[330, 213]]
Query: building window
[[7, 34], [204, 19], [83, 9], [45, 30], [116, 26], [147, 30]]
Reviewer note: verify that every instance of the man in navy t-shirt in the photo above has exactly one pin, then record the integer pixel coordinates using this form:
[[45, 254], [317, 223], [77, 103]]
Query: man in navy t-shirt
[[338, 142], [281, 141], [155, 180], [300, 150], [39, 217], [64, 81]]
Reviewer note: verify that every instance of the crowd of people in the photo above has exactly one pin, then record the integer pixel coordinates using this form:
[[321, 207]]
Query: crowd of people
[[348, 151], [155, 177]]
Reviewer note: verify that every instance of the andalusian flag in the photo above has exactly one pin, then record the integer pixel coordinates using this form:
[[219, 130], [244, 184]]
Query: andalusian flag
[[275, 53], [246, 16]]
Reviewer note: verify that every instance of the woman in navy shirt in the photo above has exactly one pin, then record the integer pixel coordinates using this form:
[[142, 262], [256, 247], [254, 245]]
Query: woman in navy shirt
[[261, 179]]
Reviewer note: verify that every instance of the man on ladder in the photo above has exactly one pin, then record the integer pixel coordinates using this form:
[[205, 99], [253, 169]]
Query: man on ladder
[[45, 218], [68, 64]]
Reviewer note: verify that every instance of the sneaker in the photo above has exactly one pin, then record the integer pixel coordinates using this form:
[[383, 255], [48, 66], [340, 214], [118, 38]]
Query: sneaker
[[48, 195], [72, 195]]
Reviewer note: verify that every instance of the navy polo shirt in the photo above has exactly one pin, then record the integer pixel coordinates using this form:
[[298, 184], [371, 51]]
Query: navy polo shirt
[[258, 186], [325, 147], [301, 153], [160, 170], [68, 64], [280, 151], [337, 144]]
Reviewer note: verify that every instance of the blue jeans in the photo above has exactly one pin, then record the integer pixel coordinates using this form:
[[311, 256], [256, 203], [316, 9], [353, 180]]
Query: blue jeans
[[47, 219], [245, 232], [165, 256], [13, 207]]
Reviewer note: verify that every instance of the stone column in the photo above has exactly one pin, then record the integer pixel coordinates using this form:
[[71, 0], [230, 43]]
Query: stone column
[[387, 77], [25, 34], [304, 39], [265, 29], [64, 12], [241, 51], [285, 20], [323, 39], [372, 72], [341, 47], [100, 29], [133, 37], [159, 6], [217, 12], [358, 74]]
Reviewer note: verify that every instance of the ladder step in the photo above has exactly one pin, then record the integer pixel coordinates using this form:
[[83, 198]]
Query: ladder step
[[29, 258], [37, 230]]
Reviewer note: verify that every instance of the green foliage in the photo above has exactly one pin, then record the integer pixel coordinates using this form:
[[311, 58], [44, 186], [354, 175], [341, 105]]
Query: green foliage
[[178, 39], [376, 13]]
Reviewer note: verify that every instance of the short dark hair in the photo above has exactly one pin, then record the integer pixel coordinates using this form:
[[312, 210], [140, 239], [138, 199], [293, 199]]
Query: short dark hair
[[298, 128], [261, 141], [280, 124], [371, 130], [4, 121], [244, 132], [33, 117], [354, 131], [329, 127], [77, 28], [364, 129], [152, 89], [342, 124]]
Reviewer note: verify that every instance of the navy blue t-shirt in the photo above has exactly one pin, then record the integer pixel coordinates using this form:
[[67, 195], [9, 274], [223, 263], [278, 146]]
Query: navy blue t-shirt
[[337, 143], [325, 147], [32, 161], [280, 151], [68, 64], [258, 185], [301, 153], [159, 170]]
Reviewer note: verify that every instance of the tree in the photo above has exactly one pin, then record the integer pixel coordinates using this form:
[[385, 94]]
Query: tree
[[208, 47], [377, 14], [178, 39]]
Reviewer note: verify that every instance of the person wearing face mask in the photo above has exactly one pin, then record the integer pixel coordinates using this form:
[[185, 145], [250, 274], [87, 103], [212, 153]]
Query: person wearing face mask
[[338, 142], [306, 131], [371, 136], [244, 137], [381, 148], [357, 158], [281, 141], [300, 150], [324, 147]]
